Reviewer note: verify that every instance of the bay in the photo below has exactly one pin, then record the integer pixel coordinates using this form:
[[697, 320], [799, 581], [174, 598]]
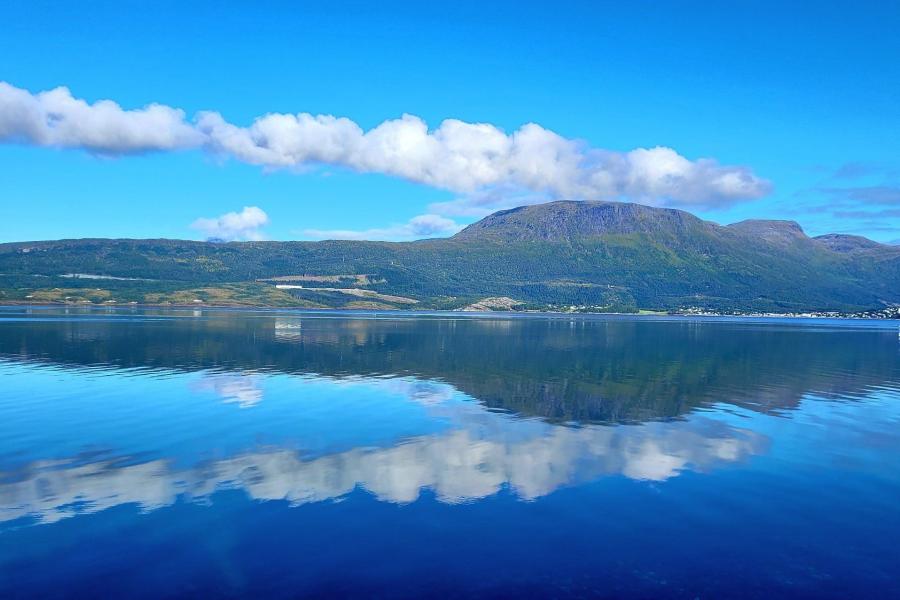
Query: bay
[[150, 453]]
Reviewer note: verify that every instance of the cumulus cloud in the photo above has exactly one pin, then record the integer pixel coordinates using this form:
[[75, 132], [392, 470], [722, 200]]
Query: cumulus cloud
[[419, 227], [468, 158], [473, 157], [233, 226], [56, 118]]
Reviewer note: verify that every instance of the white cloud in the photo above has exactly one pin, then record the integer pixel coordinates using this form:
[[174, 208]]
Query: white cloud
[[473, 157], [419, 227], [55, 118], [232, 226], [469, 158]]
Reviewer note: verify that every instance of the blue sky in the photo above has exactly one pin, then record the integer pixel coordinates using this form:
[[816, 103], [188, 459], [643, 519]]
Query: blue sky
[[799, 99]]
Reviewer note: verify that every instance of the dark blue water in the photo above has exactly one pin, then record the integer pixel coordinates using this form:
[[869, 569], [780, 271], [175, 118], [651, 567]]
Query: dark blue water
[[149, 454]]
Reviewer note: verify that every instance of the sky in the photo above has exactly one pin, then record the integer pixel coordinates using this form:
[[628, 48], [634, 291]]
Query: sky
[[403, 120]]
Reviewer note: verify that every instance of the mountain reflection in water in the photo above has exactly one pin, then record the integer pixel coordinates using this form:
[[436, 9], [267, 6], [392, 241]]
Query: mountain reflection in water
[[606, 370]]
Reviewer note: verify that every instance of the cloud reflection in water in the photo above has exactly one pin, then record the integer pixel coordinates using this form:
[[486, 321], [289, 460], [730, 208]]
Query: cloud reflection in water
[[481, 453], [245, 390]]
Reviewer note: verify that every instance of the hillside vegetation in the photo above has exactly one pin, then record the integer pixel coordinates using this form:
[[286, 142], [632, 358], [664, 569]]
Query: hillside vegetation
[[588, 255]]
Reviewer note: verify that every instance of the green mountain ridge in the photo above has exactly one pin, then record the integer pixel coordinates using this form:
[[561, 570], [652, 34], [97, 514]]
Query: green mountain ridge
[[593, 255]]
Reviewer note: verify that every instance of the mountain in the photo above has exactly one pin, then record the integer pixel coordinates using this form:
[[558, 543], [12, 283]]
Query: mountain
[[774, 232], [595, 255], [567, 221], [847, 243]]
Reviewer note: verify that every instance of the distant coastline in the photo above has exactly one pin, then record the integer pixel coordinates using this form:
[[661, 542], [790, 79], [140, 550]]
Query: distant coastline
[[559, 257], [892, 314]]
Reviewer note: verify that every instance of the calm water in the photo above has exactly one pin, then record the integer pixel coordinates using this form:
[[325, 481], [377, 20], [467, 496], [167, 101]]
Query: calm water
[[212, 453]]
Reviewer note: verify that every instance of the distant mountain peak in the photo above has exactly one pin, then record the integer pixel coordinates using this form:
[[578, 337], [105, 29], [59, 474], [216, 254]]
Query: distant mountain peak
[[567, 219], [840, 242], [771, 230]]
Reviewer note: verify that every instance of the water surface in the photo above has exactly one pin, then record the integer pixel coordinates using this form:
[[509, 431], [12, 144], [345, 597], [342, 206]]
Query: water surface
[[166, 453]]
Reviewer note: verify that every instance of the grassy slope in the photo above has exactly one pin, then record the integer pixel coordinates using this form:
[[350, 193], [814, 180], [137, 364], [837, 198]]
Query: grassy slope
[[618, 257]]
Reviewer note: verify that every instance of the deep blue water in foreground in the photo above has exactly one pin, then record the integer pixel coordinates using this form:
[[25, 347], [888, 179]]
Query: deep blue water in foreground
[[154, 454]]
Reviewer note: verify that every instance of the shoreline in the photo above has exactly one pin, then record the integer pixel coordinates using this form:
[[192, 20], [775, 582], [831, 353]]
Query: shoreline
[[654, 315]]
